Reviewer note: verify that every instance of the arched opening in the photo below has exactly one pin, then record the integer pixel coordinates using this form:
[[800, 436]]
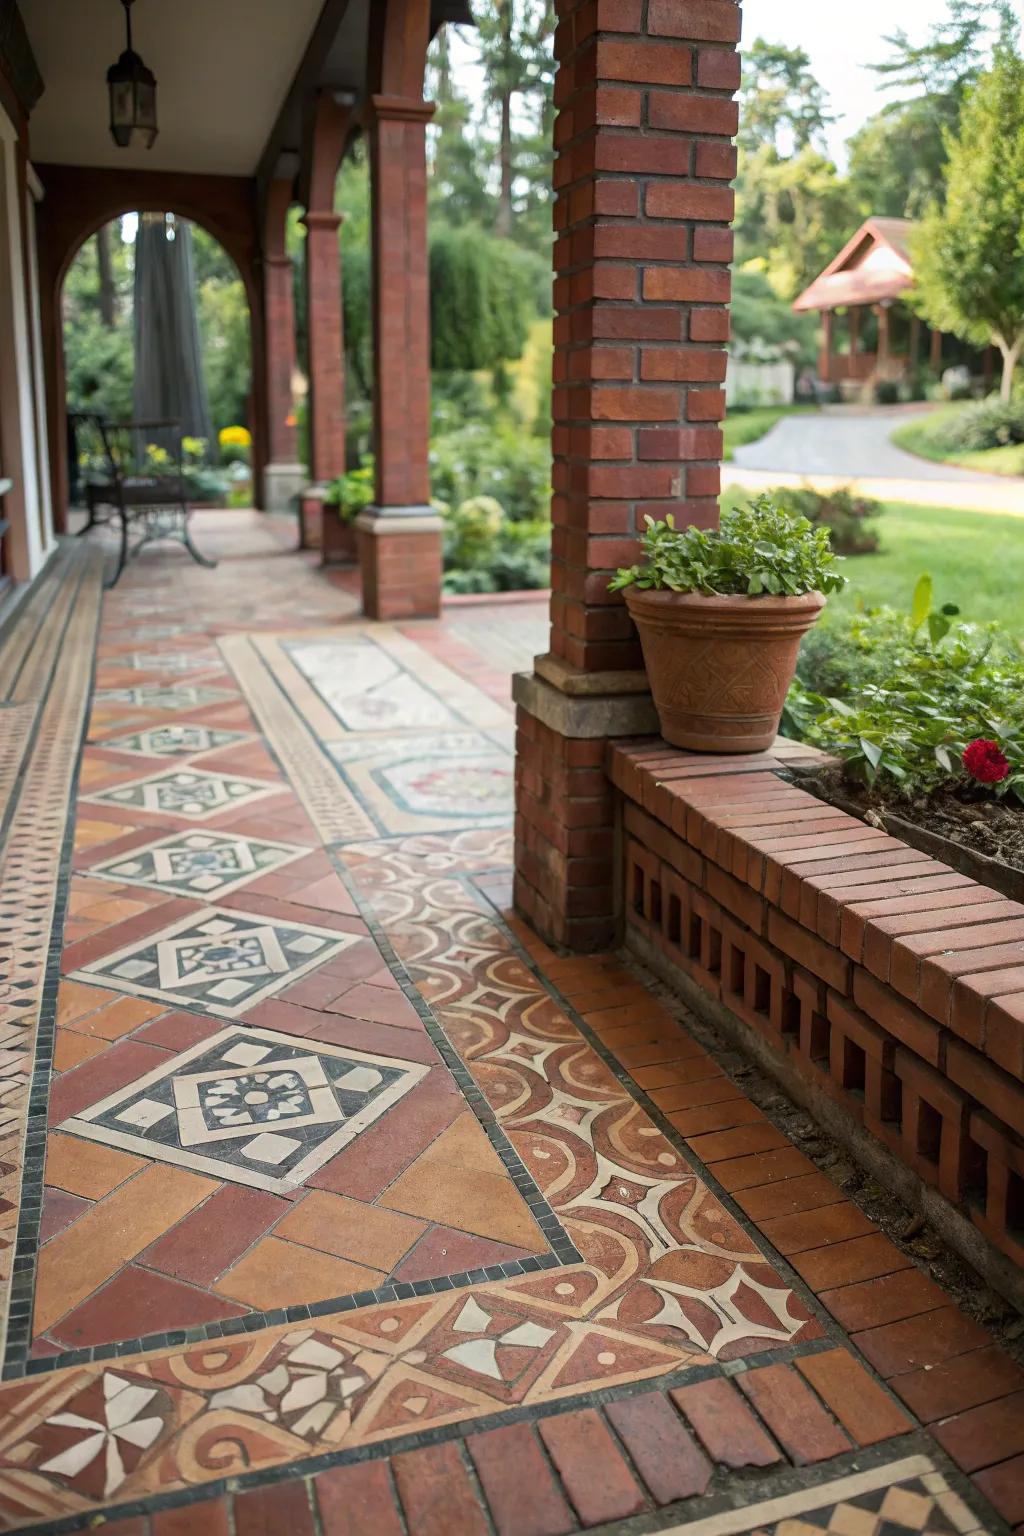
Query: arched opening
[[157, 324]]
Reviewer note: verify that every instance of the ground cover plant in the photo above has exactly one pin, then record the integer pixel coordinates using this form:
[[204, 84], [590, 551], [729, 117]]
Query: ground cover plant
[[924, 712]]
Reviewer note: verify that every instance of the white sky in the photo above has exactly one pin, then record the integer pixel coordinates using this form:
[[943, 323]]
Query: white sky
[[842, 38]]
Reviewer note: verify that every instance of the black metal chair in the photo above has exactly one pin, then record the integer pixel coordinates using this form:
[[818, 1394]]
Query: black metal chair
[[123, 481]]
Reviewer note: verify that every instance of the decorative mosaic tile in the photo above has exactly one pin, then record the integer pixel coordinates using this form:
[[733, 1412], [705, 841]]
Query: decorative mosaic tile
[[365, 688], [431, 782], [173, 661], [102, 1433], [155, 696], [192, 792], [219, 960], [174, 741], [204, 864], [252, 1106], [894, 1499]]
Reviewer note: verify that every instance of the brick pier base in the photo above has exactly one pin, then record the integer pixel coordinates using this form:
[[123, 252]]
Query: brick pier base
[[400, 561]]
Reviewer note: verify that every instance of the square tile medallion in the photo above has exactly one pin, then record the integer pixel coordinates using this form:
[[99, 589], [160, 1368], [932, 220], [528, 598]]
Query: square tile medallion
[[192, 792], [421, 782], [365, 688], [252, 1106], [174, 661], [156, 696], [203, 864], [220, 961], [174, 741]]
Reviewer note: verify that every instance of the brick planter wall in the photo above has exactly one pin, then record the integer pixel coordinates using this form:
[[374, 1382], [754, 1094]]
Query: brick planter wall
[[882, 982]]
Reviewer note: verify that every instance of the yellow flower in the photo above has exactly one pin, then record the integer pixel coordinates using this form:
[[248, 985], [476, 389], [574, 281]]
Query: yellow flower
[[235, 437]]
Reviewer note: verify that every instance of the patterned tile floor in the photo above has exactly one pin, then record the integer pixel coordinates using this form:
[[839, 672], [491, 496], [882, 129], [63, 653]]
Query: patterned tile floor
[[318, 1163]]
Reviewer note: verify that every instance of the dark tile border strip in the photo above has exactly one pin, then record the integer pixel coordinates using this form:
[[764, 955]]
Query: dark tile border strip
[[22, 1286]]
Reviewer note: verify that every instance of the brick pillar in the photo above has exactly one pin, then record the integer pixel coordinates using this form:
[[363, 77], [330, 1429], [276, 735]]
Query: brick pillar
[[284, 476], [326, 354], [643, 244], [400, 536]]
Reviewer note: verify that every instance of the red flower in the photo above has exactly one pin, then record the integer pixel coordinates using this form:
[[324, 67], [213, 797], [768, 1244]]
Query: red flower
[[985, 762]]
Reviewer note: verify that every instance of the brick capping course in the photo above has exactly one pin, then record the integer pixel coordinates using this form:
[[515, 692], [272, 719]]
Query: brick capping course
[[888, 982]]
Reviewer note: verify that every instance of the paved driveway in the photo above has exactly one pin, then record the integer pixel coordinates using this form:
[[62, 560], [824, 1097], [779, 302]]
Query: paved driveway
[[843, 446]]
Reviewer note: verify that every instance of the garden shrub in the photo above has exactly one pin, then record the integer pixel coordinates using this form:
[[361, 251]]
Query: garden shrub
[[848, 518], [484, 552], [900, 698], [991, 423], [479, 460], [886, 392]]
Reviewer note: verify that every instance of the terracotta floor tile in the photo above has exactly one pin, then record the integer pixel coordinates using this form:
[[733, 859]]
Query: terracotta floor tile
[[86, 1168], [70, 1049], [350, 1230], [280, 1274], [382, 1005], [77, 1262], [135, 1303], [860, 1258], [443, 1251], [366, 1168], [119, 1017], [809, 1192], [964, 1382], [113, 1068], [215, 1235], [485, 1203], [75, 999], [59, 1210], [870, 1303], [177, 1031]]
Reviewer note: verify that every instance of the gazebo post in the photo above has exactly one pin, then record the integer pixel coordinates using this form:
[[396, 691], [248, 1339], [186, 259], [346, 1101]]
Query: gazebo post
[[825, 359]]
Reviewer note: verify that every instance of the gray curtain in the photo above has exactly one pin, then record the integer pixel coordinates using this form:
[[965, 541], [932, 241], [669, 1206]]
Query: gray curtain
[[168, 358]]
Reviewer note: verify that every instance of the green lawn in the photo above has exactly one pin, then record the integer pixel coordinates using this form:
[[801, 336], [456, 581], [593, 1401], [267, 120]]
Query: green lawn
[[744, 427], [976, 560], [919, 436]]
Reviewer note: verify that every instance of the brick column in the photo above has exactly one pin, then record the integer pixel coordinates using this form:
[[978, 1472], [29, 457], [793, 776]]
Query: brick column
[[326, 348], [284, 476], [400, 536], [642, 218]]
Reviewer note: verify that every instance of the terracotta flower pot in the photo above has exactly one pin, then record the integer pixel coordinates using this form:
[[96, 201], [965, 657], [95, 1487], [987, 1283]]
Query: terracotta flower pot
[[720, 667]]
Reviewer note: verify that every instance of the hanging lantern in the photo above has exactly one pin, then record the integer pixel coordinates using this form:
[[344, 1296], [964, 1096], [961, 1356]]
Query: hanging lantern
[[132, 89]]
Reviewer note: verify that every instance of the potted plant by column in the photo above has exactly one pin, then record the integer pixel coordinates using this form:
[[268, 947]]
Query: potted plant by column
[[720, 613], [343, 501]]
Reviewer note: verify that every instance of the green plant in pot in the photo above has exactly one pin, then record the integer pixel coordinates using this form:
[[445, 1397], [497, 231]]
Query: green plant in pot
[[720, 613], [344, 499]]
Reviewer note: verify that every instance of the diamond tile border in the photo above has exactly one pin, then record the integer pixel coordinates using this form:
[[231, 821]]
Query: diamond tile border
[[145, 794], [173, 741], [169, 942], [119, 870], [170, 696], [186, 1094], [771, 1512]]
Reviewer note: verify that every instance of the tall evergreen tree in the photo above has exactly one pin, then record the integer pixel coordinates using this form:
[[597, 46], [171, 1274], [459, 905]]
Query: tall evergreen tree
[[969, 253]]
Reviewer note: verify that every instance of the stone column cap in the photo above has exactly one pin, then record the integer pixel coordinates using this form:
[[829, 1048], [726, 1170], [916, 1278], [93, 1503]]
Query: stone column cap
[[384, 521], [401, 109]]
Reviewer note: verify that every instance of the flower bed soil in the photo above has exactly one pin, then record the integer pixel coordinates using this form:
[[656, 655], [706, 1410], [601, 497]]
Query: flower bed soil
[[978, 836]]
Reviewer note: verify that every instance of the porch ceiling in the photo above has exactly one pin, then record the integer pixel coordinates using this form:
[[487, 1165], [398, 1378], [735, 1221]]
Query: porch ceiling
[[223, 69]]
